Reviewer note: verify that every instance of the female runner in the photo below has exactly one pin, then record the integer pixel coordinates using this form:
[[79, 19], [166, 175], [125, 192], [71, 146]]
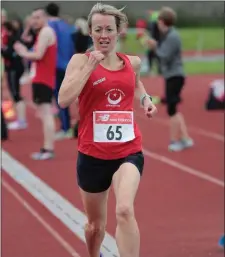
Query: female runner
[[109, 141]]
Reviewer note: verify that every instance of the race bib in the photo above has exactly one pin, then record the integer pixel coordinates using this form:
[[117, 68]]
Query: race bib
[[113, 126]]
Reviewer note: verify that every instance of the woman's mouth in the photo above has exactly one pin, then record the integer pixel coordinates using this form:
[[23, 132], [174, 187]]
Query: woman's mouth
[[104, 43]]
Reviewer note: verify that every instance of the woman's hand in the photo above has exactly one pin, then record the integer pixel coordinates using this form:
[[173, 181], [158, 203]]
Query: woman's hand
[[149, 108]]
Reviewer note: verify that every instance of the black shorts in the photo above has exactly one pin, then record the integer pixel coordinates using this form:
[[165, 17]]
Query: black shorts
[[42, 93], [174, 87], [95, 175]]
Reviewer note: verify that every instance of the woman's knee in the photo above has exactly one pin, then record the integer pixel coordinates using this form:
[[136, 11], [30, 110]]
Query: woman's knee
[[95, 227], [124, 212]]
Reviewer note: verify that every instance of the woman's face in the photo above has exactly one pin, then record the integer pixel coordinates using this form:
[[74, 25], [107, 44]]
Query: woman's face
[[104, 32]]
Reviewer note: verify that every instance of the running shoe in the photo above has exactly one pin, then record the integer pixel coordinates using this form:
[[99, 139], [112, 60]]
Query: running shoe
[[43, 155], [17, 125], [187, 143], [175, 146]]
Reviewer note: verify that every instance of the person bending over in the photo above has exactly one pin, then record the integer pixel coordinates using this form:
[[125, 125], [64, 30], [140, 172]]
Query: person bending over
[[170, 54]]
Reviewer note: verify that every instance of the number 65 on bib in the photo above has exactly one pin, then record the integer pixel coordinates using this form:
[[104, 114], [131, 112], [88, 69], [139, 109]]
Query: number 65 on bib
[[113, 126]]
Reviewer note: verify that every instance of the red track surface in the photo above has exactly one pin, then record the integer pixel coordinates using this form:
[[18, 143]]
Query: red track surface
[[180, 215]]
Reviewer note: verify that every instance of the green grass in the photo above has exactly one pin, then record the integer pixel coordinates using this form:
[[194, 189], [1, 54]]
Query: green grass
[[200, 67], [213, 67], [207, 39], [192, 39]]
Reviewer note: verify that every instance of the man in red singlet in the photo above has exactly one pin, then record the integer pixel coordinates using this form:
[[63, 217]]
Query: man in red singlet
[[43, 72], [109, 140]]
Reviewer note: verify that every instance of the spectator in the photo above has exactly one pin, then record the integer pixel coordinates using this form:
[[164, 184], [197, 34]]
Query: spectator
[[4, 37], [169, 51], [82, 38], [28, 38], [14, 68], [29, 34], [4, 130], [43, 57], [18, 25], [64, 33], [155, 34]]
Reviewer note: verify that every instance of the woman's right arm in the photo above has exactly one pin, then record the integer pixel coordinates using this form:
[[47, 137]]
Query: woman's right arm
[[77, 75]]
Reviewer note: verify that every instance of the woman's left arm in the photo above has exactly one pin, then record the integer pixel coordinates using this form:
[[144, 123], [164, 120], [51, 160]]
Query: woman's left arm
[[145, 99]]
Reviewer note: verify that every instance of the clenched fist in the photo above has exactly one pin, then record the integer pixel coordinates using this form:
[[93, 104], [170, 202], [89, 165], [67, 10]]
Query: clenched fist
[[95, 58]]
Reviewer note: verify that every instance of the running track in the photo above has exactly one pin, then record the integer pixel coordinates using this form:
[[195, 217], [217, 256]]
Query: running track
[[180, 204]]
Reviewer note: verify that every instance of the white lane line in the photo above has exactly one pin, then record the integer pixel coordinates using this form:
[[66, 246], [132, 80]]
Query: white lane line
[[38, 217], [183, 168], [61, 208]]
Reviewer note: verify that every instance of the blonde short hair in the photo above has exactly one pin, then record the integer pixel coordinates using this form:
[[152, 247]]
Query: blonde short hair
[[105, 9]]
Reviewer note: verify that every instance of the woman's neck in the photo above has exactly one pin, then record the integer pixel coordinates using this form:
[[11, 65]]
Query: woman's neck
[[110, 59], [113, 62]]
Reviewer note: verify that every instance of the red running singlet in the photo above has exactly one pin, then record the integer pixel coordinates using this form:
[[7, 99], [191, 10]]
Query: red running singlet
[[44, 71], [107, 129]]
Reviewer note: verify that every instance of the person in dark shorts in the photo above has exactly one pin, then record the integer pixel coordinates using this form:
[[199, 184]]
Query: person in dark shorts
[[43, 73], [14, 69], [101, 181], [169, 52], [65, 42], [109, 141]]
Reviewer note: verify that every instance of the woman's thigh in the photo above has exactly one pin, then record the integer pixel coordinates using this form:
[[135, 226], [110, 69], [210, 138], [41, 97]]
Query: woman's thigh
[[95, 206], [126, 180]]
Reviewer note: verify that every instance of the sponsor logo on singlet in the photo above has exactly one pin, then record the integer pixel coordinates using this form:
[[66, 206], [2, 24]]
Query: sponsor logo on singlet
[[114, 97], [99, 81]]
